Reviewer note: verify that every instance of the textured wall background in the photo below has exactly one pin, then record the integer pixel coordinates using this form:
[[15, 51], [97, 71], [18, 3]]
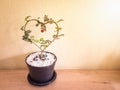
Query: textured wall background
[[91, 28]]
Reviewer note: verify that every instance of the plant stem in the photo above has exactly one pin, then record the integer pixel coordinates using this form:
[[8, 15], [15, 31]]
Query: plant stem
[[36, 45]]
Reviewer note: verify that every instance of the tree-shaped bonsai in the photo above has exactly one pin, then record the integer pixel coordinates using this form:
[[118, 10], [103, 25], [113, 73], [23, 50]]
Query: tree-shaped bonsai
[[41, 64]]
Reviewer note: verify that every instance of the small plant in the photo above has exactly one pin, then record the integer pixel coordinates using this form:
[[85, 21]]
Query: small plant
[[41, 42]]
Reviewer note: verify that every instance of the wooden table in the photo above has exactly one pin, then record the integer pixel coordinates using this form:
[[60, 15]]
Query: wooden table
[[66, 80]]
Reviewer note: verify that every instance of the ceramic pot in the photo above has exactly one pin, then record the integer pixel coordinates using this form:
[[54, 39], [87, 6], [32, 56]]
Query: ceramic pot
[[41, 75]]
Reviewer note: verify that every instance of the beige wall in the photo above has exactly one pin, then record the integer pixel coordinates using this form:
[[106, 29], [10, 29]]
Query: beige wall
[[91, 28]]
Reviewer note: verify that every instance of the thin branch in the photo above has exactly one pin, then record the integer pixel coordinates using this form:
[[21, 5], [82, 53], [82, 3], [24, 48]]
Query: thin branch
[[36, 45]]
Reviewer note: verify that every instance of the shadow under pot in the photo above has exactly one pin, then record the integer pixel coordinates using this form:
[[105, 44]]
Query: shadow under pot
[[41, 72]]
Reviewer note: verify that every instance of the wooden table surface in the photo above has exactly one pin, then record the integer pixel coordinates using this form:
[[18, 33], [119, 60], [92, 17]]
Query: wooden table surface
[[66, 80]]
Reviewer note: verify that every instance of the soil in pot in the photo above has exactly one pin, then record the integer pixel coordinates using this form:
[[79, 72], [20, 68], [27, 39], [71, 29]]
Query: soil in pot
[[41, 70]]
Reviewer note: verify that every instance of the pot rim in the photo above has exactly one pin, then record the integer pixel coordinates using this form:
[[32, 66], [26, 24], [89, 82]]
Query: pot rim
[[42, 66]]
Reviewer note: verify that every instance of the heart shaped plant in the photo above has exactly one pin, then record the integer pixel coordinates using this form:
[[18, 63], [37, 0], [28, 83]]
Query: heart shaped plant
[[41, 42]]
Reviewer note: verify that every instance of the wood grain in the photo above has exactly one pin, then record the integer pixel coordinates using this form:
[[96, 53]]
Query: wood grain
[[66, 80]]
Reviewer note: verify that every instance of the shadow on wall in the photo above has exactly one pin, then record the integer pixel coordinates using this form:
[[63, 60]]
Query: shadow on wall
[[16, 62], [111, 61]]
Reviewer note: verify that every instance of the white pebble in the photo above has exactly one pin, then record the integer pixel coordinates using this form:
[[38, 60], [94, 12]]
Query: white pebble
[[38, 62]]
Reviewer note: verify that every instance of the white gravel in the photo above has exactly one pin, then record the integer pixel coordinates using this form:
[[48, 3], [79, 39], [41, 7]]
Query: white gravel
[[37, 62]]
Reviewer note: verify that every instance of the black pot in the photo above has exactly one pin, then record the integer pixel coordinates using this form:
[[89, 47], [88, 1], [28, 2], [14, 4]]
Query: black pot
[[41, 75]]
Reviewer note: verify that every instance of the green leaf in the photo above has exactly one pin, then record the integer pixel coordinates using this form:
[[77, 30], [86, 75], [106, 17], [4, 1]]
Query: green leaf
[[26, 34], [22, 28], [26, 19], [28, 31], [36, 41], [58, 28], [41, 39], [29, 40], [43, 42], [44, 46], [48, 41], [38, 18], [51, 21], [60, 20], [55, 36], [37, 25], [25, 38], [46, 18]]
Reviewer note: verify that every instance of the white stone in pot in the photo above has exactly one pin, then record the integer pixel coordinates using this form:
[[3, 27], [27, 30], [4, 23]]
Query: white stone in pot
[[34, 60]]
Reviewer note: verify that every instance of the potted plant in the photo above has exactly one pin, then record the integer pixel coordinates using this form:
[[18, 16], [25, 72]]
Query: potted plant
[[41, 63]]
